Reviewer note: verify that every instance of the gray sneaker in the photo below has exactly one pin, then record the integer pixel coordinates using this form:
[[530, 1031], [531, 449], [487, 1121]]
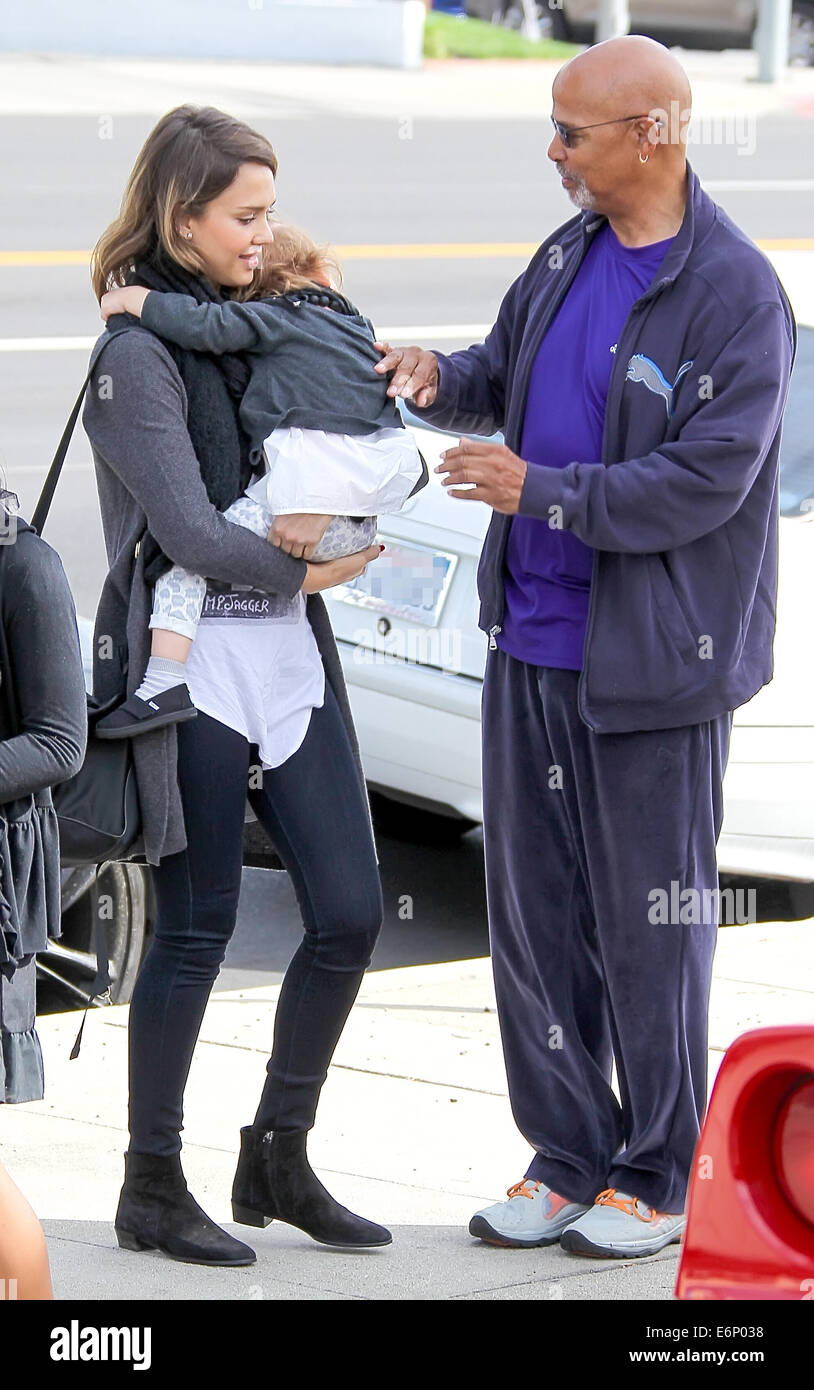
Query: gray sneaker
[[622, 1227], [533, 1215]]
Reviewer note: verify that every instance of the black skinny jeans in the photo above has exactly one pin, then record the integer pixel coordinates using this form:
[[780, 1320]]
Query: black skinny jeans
[[314, 809]]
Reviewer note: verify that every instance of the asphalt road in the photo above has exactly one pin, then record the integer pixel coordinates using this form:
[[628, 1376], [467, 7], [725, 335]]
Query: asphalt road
[[349, 181], [352, 182]]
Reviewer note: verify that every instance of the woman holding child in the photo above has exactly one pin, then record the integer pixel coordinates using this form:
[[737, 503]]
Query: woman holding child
[[223, 687]]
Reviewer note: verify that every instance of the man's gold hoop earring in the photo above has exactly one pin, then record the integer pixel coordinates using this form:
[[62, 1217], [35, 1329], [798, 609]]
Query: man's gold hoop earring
[[643, 161]]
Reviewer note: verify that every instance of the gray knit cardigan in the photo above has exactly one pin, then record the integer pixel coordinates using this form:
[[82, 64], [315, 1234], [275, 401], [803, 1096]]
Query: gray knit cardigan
[[147, 476]]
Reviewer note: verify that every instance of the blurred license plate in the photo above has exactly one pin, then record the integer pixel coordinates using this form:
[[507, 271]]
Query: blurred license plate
[[407, 581]]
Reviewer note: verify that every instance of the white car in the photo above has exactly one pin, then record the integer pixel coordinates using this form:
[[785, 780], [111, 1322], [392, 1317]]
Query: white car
[[414, 658]]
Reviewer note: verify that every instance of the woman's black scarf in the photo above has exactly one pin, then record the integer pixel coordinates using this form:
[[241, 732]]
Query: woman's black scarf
[[214, 387]]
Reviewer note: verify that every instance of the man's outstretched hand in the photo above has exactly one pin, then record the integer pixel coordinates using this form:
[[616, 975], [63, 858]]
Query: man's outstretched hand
[[497, 474], [415, 372]]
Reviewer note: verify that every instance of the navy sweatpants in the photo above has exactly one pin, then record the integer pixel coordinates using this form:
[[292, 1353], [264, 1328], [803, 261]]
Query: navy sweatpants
[[581, 830]]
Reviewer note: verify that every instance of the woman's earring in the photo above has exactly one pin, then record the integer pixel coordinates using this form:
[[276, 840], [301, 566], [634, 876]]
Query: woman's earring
[[189, 234], [641, 161]]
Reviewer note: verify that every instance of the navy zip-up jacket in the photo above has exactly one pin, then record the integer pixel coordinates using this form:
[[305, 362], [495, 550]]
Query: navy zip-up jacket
[[682, 508]]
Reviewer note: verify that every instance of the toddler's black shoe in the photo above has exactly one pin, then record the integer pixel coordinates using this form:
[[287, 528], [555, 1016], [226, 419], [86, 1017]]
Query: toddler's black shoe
[[137, 716]]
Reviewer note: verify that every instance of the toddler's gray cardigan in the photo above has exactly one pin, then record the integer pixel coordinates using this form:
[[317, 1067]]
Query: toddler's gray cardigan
[[310, 367]]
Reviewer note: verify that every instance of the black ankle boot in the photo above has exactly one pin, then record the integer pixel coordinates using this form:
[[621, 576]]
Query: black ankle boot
[[275, 1180], [157, 1212]]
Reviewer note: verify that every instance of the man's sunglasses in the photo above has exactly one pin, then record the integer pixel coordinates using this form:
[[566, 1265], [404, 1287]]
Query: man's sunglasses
[[565, 132]]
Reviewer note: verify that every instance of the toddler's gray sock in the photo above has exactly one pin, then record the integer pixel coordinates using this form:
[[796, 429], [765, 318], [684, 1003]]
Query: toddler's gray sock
[[162, 674]]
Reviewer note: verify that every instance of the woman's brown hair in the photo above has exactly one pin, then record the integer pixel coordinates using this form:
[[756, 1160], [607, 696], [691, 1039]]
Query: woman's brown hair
[[187, 160]]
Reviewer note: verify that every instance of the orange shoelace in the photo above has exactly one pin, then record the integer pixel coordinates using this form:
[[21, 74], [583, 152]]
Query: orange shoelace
[[610, 1198], [519, 1189]]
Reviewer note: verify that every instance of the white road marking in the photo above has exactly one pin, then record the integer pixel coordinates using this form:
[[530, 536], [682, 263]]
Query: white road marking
[[758, 185], [83, 466], [418, 333], [400, 332], [46, 344], [795, 268]]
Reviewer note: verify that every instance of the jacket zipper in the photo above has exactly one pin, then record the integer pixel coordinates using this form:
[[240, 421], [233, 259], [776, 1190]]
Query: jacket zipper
[[540, 332], [613, 401]]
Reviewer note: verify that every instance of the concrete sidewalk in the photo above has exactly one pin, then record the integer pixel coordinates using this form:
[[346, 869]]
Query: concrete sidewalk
[[456, 89], [414, 1130]]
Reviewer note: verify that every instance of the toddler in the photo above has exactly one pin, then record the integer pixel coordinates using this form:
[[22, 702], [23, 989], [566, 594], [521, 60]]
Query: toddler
[[314, 409]]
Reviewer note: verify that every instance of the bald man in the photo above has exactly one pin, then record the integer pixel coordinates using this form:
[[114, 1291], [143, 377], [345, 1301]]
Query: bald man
[[638, 370]]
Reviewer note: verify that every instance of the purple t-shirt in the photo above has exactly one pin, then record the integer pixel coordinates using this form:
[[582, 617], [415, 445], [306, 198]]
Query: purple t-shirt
[[548, 570]]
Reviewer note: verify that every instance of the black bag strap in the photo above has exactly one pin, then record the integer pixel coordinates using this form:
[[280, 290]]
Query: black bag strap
[[100, 988], [49, 486]]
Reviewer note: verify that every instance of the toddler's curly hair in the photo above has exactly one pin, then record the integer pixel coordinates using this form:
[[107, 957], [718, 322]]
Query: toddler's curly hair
[[293, 262]]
